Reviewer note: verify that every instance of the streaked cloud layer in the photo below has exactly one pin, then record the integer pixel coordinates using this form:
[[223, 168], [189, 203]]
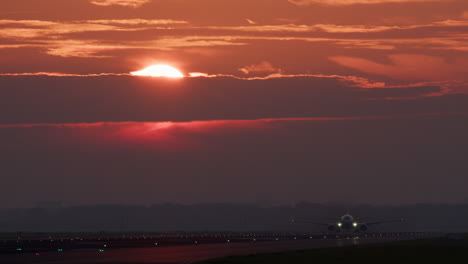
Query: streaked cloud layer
[[41, 98], [121, 45]]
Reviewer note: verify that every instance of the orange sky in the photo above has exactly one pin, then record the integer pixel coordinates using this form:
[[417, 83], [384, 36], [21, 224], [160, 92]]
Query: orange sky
[[397, 41], [377, 84]]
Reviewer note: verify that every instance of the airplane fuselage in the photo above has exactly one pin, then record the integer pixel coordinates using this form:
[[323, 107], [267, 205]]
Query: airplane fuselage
[[347, 223]]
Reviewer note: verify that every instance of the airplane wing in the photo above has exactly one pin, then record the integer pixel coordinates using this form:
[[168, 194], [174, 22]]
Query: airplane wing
[[309, 222], [385, 222]]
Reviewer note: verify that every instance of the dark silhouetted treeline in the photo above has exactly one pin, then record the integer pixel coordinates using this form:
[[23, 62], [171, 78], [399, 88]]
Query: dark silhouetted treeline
[[228, 217]]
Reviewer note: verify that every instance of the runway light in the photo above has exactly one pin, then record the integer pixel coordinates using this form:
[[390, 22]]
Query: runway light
[[101, 250], [59, 250], [19, 249], [37, 254]]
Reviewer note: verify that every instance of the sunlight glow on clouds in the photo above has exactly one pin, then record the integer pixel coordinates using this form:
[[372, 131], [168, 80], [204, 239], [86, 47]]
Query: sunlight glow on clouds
[[159, 70], [264, 66], [200, 74]]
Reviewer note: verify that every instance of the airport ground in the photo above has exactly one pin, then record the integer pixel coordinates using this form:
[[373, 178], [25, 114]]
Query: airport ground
[[189, 248], [427, 251]]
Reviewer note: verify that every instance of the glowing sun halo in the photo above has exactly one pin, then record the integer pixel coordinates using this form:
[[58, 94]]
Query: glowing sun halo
[[159, 70]]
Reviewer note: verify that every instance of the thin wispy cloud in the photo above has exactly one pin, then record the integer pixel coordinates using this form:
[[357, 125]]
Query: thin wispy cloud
[[355, 2], [129, 3], [262, 67], [409, 66], [27, 29]]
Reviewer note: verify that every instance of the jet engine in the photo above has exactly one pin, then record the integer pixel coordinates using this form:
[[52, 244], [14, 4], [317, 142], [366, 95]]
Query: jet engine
[[362, 227]]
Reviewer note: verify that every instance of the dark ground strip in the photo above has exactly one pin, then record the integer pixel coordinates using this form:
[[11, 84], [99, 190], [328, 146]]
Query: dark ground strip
[[440, 250], [195, 248]]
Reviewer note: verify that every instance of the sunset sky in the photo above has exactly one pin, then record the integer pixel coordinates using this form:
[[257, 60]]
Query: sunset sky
[[362, 101]]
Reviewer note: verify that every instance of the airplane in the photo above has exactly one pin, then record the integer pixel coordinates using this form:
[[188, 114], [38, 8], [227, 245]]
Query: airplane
[[347, 223]]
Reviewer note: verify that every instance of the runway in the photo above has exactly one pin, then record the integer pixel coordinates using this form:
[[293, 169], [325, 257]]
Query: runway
[[194, 248]]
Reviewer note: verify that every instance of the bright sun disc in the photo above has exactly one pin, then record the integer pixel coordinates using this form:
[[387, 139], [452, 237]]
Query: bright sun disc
[[160, 70]]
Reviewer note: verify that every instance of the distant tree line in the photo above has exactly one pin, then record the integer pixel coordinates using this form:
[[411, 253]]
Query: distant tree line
[[228, 217]]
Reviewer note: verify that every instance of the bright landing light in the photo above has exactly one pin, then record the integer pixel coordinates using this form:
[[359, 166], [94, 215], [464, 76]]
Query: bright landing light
[[160, 70]]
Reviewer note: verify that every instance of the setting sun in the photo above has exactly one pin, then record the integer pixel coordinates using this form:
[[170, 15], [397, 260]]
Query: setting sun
[[160, 70]]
